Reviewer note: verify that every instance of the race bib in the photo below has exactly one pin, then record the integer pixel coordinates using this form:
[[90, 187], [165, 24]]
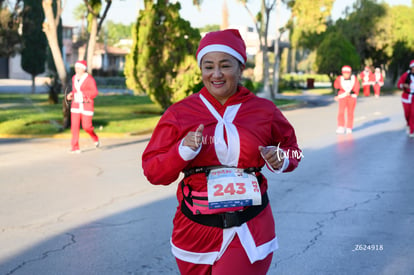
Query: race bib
[[232, 187]]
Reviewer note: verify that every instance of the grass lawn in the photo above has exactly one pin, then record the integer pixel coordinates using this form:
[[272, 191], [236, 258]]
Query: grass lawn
[[31, 115], [25, 115]]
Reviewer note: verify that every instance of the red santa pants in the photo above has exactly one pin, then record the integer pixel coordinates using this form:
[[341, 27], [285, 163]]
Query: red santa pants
[[76, 120], [409, 115], [233, 261], [346, 104], [377, 89], [366, 89]]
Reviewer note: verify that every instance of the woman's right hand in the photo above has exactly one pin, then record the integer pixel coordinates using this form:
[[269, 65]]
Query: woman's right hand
[[194, 139]]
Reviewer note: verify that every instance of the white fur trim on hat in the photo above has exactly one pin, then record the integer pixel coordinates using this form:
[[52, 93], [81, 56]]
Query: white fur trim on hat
[[218, 48], [80, 65]]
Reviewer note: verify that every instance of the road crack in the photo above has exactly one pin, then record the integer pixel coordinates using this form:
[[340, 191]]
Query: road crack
[[45, 254], [320, 224]]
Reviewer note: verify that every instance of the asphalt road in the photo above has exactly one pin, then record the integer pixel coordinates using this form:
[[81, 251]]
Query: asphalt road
[[347, 209]]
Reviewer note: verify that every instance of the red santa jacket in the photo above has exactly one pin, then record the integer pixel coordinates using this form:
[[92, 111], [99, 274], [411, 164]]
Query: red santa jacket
[[84, 91], [347, 87], [407, 77], [367, 78], [249, 122], [378, 79]]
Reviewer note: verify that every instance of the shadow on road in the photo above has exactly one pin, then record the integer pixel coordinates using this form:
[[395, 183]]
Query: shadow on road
[[371, 124], [340, 196]]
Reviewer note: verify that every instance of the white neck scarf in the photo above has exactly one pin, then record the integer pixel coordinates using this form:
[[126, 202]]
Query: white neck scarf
[[227, 154]]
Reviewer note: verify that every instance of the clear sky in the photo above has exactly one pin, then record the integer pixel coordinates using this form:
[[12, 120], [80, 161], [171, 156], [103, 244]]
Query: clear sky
[[126, 11]]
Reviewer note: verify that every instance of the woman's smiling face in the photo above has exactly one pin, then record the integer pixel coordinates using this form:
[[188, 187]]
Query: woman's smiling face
[[221, 74]]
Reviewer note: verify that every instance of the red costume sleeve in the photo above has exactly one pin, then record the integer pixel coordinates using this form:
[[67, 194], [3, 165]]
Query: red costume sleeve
[[337, 83], [286, 139], [161, 161], [89, 87], [402, 80]]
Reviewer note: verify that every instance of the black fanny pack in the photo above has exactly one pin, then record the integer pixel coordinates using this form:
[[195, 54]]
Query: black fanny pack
[[226, 219], [206, 170]]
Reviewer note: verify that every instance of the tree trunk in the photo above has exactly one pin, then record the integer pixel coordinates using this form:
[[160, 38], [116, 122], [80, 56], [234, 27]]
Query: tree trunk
[[92, 43], [50, 27], [266, 78], [33, 84], [276, 65], [224, 16], [264, 29], [65, 110]]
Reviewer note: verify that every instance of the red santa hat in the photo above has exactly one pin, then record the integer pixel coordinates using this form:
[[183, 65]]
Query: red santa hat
[[228, 41], [411, 63], [346, 69], [81, 64]]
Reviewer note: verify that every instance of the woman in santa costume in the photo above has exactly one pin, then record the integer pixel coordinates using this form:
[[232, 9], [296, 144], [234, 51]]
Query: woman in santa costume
[[406, 84], [378, 81], [367, 78], [220, 138], [348, 90], [83, 92]]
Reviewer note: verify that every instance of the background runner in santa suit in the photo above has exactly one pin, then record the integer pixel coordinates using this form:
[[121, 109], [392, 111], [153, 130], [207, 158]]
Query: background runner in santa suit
[[224, 124], [378, 81], [406, 83], [367, 78], [348, 90], [83, 92]]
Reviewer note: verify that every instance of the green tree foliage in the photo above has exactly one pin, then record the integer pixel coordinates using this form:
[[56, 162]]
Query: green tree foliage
[[10, 39], [131, 70], [210, 28], [308, 21], [394, 36], [401, 57], [162, 60], [114, 32], [334, 52], [34, 40], [359, 27], [80, 13], [402, 22]]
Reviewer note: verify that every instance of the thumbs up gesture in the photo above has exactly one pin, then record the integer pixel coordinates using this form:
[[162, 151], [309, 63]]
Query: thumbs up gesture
[[194, 139]]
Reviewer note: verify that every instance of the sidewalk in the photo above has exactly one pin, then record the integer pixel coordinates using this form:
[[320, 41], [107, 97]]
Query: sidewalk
[[23, 86]]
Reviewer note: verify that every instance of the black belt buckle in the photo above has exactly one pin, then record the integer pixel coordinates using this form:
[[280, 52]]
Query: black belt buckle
[[230, 219]]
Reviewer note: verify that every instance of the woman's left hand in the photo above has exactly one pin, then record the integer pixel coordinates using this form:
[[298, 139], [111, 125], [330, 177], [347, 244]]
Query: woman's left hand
[[273, 155]]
